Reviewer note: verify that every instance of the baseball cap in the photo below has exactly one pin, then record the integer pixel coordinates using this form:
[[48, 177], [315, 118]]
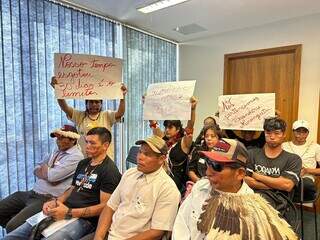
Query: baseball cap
[[227, 151], [66, 131], [300, 124], [157, 144]]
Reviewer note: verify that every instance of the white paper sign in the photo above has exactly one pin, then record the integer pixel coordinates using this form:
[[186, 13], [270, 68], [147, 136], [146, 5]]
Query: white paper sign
[[83, 76], [170, 100], [245, 111], [52, 228]]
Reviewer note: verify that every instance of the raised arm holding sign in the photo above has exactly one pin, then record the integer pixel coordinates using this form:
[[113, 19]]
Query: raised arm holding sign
[[179, 141], [170, 100], [81, 76], [71, 69]]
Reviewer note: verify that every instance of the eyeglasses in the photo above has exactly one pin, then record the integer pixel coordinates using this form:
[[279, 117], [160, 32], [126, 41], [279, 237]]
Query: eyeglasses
[[218, 167]]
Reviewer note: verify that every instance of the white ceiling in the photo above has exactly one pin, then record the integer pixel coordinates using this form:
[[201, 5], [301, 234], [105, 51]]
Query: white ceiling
[[216, 16]]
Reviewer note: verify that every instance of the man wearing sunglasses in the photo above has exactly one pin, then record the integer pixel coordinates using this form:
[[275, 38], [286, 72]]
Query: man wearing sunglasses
[[223, 206]]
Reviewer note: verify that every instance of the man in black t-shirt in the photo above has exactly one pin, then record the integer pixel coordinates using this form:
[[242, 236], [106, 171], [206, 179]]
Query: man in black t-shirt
[[93, 183], [271, 171]]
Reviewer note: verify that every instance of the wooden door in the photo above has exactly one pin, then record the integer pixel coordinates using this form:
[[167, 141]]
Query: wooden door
[[266, 71]]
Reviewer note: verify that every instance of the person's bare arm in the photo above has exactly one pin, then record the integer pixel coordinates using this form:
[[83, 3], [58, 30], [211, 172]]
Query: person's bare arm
[[94, 210], [61, 102], [122, 104], [156, 129], [47, 206], [280, 183], [254, 184], [187, 139], [104, 224], [61, 210], [194, 178], [312, 171]]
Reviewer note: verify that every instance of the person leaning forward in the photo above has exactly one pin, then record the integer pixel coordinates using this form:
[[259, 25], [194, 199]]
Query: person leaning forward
[[54, 176]]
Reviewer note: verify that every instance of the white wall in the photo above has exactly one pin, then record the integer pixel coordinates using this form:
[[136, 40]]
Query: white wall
[[203, 60]]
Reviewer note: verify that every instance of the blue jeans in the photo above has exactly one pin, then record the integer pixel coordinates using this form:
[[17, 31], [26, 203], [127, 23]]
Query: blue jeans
[[72, 231]]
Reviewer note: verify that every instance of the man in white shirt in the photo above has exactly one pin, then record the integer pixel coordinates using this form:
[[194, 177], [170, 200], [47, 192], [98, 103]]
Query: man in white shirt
[[145, 203], [223, 206], [309, 152]]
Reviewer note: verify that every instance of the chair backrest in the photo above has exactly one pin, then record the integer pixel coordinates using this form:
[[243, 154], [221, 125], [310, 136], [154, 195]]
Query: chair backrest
[[132, 155]]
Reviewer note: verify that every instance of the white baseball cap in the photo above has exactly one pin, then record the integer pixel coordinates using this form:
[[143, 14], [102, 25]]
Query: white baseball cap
[[300, 124]]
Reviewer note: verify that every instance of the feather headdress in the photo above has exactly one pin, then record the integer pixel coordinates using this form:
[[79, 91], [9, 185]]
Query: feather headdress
[[242, 216]]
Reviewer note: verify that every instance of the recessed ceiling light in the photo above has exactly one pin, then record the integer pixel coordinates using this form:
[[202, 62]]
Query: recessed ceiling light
[[159, 5]]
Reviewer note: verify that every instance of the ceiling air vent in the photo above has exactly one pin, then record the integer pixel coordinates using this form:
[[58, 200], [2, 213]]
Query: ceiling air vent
[[189, 29]]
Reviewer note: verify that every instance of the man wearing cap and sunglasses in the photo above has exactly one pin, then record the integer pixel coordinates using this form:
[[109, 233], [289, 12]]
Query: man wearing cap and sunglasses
[[309, 152], [54, 176], [145, 203], [223, 206]]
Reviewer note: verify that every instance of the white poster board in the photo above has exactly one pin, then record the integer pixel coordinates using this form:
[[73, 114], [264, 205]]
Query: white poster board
[[170, 100], [245, 111], [82, 76]]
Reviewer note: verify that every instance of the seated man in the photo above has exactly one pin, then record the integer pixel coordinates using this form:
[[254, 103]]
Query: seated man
[[94, 180], [272, 171], [309, 152], [145, 203], [54, 176], [223, 206]]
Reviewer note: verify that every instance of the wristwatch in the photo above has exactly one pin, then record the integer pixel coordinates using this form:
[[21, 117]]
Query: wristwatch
[[68, 214]]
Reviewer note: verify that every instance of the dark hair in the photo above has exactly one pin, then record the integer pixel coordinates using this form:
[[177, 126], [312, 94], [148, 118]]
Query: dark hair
[[87, 100], [212, 118], [103, 133], [174, 123], [214, 128], [274, 123]]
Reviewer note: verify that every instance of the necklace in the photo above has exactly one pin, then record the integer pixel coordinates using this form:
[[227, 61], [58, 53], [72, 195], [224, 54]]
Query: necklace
[[92, 119], [307, 148], [87, 175]]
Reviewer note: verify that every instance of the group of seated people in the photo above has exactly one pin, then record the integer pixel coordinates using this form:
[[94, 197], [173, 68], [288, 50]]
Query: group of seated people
[[212, 188]]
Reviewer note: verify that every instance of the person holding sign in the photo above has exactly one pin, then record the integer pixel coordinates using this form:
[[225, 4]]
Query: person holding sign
[[93, 116], [179, 141]]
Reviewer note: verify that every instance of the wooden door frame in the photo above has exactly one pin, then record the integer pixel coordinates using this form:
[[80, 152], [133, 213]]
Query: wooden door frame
[[295, 49]]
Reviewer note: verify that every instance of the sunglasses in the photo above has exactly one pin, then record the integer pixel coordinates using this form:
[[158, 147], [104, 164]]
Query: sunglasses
[[218, 167]]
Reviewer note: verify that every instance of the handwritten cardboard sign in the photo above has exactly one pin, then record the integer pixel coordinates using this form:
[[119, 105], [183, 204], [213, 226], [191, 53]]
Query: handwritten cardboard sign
[[245, 111], [170, 100], [83, 76]]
